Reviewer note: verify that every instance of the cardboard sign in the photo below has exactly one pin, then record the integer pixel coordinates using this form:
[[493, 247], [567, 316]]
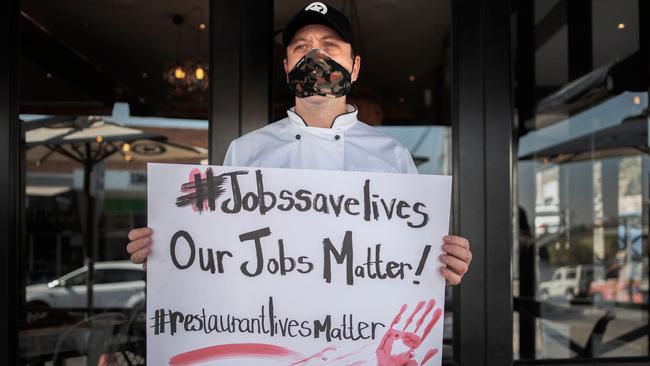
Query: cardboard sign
[[257, 266]]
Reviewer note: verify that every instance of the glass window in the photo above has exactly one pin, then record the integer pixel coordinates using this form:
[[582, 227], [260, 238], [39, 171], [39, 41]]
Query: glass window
[[133, 76], [121, 275], [581, 260], [571, 274], [615, 27], [77, 280]]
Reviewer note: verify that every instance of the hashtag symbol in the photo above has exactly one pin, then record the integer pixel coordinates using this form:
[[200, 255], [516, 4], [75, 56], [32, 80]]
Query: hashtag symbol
[[160, 320], [202, 190]]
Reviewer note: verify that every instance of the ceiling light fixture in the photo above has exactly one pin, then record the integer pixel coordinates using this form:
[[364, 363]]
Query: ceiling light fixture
[[179, 73], [199, 73], [187, 76]]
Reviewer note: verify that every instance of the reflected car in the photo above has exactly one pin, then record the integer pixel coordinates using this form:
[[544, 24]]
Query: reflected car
[[117, 285], [567, 283]]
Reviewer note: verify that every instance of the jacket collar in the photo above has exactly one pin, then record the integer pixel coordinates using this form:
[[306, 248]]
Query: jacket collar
[[341, 122]]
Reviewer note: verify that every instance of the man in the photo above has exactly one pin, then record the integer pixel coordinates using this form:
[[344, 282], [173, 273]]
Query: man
[[322, 130]]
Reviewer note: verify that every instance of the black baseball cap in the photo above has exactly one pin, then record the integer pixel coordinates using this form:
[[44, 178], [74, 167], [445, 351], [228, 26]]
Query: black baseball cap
[[319, 13]]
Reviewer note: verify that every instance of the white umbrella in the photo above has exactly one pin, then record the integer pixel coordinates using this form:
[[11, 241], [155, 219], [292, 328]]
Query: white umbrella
[[64, 140]]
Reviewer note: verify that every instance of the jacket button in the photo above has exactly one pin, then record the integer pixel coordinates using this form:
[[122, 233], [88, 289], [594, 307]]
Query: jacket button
[[297, 137], [337, 137]]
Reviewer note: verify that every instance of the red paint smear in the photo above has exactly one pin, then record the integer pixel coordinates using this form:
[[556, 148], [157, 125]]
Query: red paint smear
[[317, 355], [430, 306], [399, 316], [429, 355], [194, 171], [248, 350], [436, 317], [350, 354], [418, 307], [411, 340]]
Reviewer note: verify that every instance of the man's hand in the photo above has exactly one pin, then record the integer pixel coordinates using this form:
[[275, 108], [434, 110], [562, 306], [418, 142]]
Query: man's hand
[[456, 258], [140, 246]]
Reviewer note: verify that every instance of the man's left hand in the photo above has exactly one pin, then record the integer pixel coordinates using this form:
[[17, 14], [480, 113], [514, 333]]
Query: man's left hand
[[456, 258]]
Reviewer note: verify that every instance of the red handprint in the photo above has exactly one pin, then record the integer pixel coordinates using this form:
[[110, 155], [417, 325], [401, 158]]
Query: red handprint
[[411, 340]]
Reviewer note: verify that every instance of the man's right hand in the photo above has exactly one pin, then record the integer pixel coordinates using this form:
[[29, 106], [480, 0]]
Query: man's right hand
[[140, 246]]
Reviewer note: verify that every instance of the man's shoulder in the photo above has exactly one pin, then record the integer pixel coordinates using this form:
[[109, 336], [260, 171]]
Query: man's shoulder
[[275, 131], [375, 142], [366, 129], [246, 149], [375, 135]]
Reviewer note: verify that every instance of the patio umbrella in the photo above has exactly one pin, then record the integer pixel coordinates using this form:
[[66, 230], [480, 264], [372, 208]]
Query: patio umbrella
[[65, 138], [89, 141]]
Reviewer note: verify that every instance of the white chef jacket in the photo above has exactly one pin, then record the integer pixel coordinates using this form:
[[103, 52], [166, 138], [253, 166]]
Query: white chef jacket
[[348, 145]]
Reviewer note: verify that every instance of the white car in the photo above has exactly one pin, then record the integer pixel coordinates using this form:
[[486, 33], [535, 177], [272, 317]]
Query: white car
[[567, 283], [117, 285]]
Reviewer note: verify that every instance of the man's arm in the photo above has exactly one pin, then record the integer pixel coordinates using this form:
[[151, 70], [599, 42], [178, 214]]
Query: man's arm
[[229, 160], [406, 163]]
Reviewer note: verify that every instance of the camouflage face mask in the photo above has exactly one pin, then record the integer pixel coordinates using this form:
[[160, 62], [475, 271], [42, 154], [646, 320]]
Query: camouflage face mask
[[317, 73]]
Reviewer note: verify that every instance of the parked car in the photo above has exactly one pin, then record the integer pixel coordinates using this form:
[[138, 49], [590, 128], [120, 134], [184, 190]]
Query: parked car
[[567, 283], [117, 285]]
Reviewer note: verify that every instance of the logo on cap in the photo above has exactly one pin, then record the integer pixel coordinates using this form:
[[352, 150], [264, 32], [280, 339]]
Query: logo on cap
[[318, 7]]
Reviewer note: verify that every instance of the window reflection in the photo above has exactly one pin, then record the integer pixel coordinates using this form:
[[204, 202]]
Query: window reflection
[[95, 106], [117, 285], [581, 244], [588, 212]]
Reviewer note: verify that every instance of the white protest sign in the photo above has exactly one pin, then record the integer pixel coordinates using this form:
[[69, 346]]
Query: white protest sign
[[258, 266]]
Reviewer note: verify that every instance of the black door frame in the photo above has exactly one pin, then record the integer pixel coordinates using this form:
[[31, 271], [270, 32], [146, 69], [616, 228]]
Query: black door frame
[[482, 129], [241, 36], [10, 183]]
